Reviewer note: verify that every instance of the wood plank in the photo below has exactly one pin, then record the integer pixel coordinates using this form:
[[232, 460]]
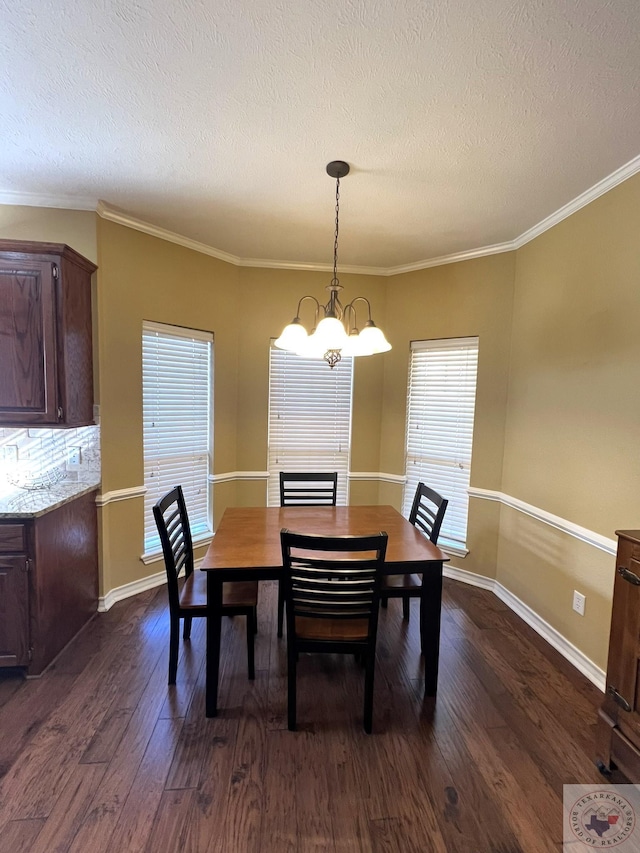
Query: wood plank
[[71, 806], [137, 817]]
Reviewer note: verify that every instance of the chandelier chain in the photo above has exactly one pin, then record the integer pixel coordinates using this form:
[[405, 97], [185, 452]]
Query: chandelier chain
[[335, 239]]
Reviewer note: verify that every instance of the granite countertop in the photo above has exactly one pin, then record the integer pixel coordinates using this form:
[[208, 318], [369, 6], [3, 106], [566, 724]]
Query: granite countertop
[[31, 503]]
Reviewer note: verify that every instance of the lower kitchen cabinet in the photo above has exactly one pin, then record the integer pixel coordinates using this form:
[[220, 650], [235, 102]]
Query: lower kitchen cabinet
[[48, 582]]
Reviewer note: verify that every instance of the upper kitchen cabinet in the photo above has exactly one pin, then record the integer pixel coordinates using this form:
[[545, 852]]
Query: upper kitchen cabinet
[[46, 375]]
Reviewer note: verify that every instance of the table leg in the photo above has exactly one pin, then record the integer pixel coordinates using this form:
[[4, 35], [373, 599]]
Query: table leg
[[430, 610], [214, 624]]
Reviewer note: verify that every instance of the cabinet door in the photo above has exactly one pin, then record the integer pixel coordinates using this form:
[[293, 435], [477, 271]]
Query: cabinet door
[[623, 684], [14, 611], [28, 384]]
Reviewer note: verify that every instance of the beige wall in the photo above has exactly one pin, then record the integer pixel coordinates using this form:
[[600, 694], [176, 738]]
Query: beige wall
[[76, 228], [573, 421]]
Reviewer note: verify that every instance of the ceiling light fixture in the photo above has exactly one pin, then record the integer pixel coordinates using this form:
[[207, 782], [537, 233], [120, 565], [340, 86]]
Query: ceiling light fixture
[[336, 334]]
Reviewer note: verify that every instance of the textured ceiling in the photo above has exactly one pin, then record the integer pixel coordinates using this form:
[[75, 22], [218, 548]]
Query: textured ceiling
[[465, 122]]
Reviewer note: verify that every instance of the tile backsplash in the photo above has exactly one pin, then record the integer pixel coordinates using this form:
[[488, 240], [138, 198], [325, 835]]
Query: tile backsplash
[[41, 458]]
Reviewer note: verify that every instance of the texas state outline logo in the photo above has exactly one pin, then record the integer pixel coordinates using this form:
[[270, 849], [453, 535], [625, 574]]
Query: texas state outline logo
[[600, 818]]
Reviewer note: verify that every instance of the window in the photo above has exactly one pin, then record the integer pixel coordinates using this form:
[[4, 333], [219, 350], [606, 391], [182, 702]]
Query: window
[[309, 419], [177, 393], [440, 408]]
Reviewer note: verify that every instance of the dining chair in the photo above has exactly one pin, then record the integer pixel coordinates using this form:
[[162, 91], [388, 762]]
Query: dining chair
[[427, 513], [332, 590], [238, 598], [302, 488]]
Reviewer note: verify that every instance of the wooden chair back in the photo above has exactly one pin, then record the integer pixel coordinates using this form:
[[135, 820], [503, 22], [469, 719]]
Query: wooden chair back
[[172, 521], [332, 593], [302, 488], [427, 511]]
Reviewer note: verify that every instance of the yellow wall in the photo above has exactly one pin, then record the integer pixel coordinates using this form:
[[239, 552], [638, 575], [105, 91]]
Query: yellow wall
[[573, 420], [76, 228], [556, 412]]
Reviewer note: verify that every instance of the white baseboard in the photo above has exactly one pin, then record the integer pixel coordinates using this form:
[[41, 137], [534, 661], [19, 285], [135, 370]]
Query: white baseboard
[[581, 662], [107, 601]]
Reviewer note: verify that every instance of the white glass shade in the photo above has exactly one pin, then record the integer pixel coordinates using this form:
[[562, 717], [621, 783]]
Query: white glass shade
[[330, 334], [293, 337], [311, 348], [371, 340], [353, 347]]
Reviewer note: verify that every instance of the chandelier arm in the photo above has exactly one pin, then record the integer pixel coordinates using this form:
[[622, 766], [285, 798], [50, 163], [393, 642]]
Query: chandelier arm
[[349, 310], [362, 299], [300, 303]]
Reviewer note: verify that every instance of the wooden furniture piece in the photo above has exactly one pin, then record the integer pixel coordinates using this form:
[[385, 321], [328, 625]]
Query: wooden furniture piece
[[332, 588], [238, 599], [308, 488], [305, 489], [247, 547], [618, 734], [427, 513], [45, 335], [48, 582]]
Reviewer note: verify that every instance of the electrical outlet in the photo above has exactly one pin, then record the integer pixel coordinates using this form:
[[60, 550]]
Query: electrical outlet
[[578, 602], [10, 453], [74, 459]]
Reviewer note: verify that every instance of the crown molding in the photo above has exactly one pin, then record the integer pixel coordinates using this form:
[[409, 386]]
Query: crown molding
[[45, 200], [105, 211], [618, 177], [454, 258], [298, 265]]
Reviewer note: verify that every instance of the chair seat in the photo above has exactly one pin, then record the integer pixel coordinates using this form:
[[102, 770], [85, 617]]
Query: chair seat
[[400, 583], [331, 629], [234, 594]]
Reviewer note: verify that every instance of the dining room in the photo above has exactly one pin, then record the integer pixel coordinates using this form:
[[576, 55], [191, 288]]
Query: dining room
[[489, 681]]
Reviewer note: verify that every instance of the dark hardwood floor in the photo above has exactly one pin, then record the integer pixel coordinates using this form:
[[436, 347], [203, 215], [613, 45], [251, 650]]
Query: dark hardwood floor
[[100, 755]]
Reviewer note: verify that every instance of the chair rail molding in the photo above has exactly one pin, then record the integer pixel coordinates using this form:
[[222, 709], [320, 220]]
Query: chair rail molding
[[399, 479], [229, 476], [609, 546], [120, 495]]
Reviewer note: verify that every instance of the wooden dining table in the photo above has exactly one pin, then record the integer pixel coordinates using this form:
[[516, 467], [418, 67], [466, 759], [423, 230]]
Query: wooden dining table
[[246, 546]]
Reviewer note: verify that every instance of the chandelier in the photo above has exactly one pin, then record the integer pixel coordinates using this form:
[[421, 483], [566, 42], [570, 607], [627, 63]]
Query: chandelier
[[336, 334]]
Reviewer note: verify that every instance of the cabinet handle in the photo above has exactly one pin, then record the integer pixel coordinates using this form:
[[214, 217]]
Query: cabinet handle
[[61, 413], [628, 576], [618, 698]]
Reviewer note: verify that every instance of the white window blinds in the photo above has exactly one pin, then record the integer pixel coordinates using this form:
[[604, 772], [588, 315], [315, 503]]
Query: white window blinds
[[440, 409], [309, 419], [177, 394]]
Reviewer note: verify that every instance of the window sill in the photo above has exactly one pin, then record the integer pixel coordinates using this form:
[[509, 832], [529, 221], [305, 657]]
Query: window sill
[[454, 550]]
